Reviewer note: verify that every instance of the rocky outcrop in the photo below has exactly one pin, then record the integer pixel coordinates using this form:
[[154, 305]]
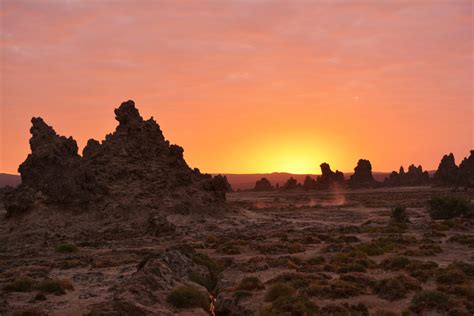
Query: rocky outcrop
[[362, 177], [291, 184], [145, 291], [415, 176], [263, 185], [447, 172], [328, 178], [466, 171], [309, 183], [135, 166], [222, 183]]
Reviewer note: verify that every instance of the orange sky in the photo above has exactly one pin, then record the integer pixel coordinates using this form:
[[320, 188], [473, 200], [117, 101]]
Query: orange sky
[[246, 86]]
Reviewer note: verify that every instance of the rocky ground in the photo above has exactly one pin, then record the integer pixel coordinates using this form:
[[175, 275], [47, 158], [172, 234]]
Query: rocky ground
[[265, 253]]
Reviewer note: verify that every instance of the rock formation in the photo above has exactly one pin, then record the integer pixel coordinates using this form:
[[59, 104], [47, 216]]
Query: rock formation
[[134, 166], [447, 172], [263, 185], [414, 176], [223, 183], [329, 178], [309, 183], [466, 171], [362, 177], [291, 184]]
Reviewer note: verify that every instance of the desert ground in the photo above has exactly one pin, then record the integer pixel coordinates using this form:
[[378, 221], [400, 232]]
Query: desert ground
[[339, 252]]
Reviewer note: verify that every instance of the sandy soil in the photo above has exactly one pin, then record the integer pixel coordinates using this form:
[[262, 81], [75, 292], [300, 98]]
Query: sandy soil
[[330, 250]]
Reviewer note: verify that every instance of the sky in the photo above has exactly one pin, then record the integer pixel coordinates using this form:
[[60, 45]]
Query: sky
[[246, 86]]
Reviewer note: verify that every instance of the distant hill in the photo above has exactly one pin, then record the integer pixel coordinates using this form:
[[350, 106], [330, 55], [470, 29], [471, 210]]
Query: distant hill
[[9, 179]]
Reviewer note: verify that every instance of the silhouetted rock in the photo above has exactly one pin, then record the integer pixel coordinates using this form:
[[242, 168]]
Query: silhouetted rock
[[414, 176], [362, 177], [466, 171], [221, 183], [291, 184], [263, 185], [447, 172], [328, 178], [134, 166], [309, 183]]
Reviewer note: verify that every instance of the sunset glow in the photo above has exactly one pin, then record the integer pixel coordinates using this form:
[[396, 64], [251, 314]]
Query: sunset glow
[[246, 86]]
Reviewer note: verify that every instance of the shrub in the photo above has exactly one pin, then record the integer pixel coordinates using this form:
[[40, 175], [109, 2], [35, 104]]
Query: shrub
[[390, 289], [316, 260], [229, 249], [399, 214], [421, 270], [336, 289], [376, 247], [54, 286], [467, 240], [204, 260], [241, 294], [278, 290], [449, 207], [250, 284], [188, 297], [203, 280], [294, 305], [467, 268], [450, 276], [66, 248], [430, 300], [19, 285], [395, 263]]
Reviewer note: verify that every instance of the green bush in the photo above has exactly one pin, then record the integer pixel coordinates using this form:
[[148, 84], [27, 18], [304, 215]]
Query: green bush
[[376, 247], [53, 286], [278, 290], [250, 284], [395, 263], [429, 301], [399, 214], [66, 248], [390, 289], [449, 207], [188, 297], [294, 305], [19, 285], [204, 280]]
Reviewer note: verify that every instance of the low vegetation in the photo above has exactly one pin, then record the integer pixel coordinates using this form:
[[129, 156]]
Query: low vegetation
[[390, 289], [52, 286], [426, 301], [188, 297], [399, 215], [251, 284], [19, 285], [278, 290], [66, 248], [448, 207]]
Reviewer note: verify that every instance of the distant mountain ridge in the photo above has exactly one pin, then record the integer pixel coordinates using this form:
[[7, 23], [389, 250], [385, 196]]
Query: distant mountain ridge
[[9, 179]]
